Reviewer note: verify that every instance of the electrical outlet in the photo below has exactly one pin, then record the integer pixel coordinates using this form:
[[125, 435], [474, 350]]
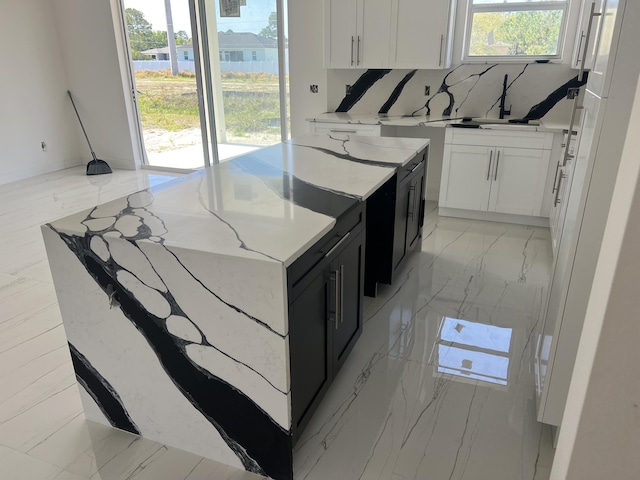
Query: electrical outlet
[[348, 89], [43, 146], [313, 88], [427, 90]]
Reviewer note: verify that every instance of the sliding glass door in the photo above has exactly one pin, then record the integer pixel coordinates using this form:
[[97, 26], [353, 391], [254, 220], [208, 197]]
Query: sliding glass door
[[219, 89]]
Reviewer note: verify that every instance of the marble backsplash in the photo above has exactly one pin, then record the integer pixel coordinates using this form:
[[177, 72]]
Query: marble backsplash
[[466, 90]]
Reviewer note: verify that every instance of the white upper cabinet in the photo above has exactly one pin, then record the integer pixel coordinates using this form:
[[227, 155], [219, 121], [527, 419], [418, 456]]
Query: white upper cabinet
[[357, 33], [422, 33], [584, 47], [389, 33]]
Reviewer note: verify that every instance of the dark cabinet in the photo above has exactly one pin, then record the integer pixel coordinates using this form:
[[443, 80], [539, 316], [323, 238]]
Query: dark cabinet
[[395, 215], [326, 292]]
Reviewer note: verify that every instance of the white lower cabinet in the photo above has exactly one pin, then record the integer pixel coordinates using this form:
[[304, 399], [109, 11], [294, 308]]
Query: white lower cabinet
[[493, 175]]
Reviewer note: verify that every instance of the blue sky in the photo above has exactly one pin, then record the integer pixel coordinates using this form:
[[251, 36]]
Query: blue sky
[[254, 16]]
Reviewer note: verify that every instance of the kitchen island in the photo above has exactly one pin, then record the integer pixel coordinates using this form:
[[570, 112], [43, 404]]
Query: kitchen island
[[212, 313]]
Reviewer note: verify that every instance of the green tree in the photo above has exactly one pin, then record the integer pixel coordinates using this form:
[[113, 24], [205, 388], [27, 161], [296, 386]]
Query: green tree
[[182, 38], [515, 33], [271, 30], [532, 32], [141, 34]]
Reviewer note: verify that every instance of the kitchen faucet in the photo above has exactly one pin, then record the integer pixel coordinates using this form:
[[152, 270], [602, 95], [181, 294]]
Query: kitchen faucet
[[504, 112]]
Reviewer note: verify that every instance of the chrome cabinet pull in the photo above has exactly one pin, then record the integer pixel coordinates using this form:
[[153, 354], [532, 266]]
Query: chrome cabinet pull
[[343, 131], [577, 62], [495, 178], [441, 45], [592, 15], [341, 294], [490, 162], [412, 203], [352, 41], [556, 201], [333, 249], [416, 167], [336, 292], [358, 54], [570, 132], [555, 178]]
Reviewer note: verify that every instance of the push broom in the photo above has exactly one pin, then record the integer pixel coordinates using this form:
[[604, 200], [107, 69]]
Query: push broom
[[95, 166]]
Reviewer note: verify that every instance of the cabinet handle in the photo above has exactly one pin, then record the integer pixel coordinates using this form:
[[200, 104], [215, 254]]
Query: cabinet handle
[[592, 15], [555, 178], [441, 45], [341, 294], [490, 162], [358, 54], [570, 133], [412, 203], [333, 249], [336, 292], [415, 168], [579, 47], [556, 201], [343, 131], [495, 178], [352, 41]]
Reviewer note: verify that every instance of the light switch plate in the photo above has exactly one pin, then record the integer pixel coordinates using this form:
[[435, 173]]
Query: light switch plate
[[348, 89]]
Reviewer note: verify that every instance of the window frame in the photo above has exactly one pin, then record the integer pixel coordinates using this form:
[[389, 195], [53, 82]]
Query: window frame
[[563, 5]]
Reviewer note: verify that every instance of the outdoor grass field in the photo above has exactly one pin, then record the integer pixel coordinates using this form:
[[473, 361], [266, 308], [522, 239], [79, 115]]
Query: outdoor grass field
[[251, 103]]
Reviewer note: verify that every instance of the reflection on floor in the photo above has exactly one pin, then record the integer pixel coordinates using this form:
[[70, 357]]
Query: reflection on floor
[[191, 156], [440, 385]]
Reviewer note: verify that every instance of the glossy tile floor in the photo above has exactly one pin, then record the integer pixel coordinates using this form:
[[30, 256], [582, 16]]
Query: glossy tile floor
[[439, 387]]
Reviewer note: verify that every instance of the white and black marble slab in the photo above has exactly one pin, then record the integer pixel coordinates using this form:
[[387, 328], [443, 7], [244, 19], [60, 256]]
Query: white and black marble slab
[[383, 151], [174, 298]]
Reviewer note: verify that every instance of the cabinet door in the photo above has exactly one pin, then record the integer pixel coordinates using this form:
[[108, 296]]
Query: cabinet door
[[605, 48], [348, 268], [310, 345], [372, 40], [422, 34], [518, 181], [466, 177], [583, 48], [400, 224], [340, 33], [414, 221]]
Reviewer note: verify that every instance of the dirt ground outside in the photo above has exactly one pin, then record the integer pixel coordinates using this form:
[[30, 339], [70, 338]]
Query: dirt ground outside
[[171, 120]]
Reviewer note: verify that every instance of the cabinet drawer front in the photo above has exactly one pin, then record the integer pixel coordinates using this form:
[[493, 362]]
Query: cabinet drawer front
[[501, 138], [365, 130]]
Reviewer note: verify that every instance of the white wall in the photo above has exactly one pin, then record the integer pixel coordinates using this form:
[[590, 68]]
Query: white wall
[[34, 93], [90, 52], [600, 432], [306, 47]]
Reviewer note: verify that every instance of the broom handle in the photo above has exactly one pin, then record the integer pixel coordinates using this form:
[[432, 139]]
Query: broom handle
[[83, 130]]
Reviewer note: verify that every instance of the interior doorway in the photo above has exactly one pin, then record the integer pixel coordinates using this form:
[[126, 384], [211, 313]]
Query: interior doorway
[[217, 90]]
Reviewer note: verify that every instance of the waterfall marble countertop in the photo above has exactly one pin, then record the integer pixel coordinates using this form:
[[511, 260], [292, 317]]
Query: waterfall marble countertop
[[174, 299], [425, 121], [271, 204]]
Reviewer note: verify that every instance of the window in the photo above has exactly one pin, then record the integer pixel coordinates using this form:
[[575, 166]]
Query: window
[[254, 55], [185, 55], [523, 29]]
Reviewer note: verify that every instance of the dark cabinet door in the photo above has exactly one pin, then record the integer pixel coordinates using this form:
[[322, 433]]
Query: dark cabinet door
[[310, 345], [400, 225], [348, 269], [414, 211]]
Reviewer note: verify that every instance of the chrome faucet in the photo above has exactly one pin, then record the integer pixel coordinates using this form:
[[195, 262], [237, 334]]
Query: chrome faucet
[[503, 98]]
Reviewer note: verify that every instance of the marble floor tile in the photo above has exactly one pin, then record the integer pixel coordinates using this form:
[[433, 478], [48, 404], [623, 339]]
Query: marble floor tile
[[439, 386], [15, 465]]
